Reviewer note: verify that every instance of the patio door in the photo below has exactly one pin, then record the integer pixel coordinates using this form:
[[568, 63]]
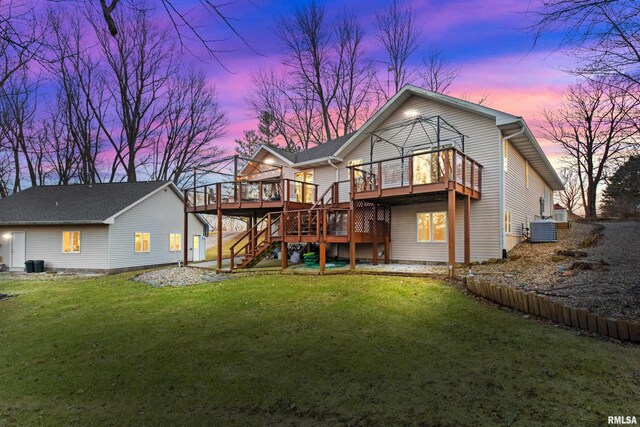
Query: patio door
[[304, 195], [428, 167], [196, 247], [18, 250]]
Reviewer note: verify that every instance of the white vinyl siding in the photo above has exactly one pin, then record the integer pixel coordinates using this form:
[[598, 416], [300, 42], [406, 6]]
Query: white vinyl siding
[[483, 143], [158, 215], [522, 201], [46, 242]]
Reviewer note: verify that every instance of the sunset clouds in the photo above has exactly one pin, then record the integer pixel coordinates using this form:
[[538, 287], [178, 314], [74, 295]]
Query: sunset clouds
[[487, 40]]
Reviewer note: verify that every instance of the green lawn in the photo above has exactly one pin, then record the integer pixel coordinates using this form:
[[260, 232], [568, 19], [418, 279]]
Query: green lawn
[[296, 350]]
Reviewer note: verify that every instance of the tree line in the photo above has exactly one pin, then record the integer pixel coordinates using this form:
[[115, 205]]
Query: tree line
[[597, 126], [79, 104]]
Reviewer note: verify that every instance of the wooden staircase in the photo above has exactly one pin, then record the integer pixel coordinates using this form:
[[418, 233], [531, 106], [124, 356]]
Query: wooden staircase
[[261, 240]]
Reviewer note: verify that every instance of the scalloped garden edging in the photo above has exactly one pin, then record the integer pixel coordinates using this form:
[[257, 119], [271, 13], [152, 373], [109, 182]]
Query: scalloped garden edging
[[543, 306]]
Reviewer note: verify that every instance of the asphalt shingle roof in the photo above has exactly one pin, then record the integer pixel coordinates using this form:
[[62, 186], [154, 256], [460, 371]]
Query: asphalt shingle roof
[[72, 204], [318, 152]]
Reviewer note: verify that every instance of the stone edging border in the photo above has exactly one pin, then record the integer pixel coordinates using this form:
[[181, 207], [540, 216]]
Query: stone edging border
[[542, 306]]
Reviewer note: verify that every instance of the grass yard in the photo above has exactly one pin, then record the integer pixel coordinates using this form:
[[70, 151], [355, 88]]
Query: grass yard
[[212, 253], [296, 350]]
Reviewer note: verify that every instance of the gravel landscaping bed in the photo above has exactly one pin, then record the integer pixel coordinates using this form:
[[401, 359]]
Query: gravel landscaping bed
[[404, 268], [13, 276], [592, 266], [179, 276]]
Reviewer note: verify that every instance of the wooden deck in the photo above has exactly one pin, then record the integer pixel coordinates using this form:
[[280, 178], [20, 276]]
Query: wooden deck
[[436, 171]]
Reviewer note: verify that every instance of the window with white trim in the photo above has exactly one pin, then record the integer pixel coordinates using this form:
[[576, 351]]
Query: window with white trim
[[507, 221], [142, 242], [431, 226], [71, 242], [175, 242]]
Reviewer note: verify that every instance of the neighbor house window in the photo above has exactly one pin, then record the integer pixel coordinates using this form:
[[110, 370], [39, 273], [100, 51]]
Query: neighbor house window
[[526, 174], [432, 226], [175, 242], [142, 242], [507, 221], [505, 154], [71, 242]]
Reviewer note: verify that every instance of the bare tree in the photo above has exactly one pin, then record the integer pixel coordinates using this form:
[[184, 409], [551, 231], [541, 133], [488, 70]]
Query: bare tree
[[181, 21], [139, 62], [399, 35], [325, 90], [571, 197], [17, 111], [605, 34], [593, 128], [81, 103], [20, 37], [192, 122], [437, 73]]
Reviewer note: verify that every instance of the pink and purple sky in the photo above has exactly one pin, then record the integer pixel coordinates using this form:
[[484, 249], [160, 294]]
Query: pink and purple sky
[[487, 40]]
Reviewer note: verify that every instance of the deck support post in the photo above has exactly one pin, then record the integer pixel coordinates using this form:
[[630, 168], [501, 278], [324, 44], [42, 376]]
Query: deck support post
[[451, 229], [219, 238], [283, 253], [467, 230], [375, 234], [352, 232], [185, 242], [247, 248], [323, 256]]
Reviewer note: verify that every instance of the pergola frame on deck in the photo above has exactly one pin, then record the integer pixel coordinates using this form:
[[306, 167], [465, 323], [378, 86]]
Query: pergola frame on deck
[[445, 133]]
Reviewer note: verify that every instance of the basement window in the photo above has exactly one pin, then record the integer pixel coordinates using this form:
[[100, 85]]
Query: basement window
[[175, 242], [71, 242], [142, 242], [432, 227], [507, 221]]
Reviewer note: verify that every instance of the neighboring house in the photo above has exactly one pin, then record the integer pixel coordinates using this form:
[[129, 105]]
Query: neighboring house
[[445, 179], [103, 228]]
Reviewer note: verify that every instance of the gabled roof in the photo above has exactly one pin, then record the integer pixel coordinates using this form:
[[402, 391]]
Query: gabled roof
[[525, 142], [77, 203], [509, 124], [321, 151]]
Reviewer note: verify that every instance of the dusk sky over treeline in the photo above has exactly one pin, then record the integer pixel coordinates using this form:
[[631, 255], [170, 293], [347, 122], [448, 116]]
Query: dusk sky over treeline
[[488, 41]]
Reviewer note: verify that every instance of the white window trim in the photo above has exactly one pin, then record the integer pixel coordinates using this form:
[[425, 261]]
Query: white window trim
[[70, 242], [142, 251], [171, 250], [431, 228], [507, 222]]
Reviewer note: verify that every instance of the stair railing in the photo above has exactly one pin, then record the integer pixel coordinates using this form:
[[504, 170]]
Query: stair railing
[[265, 231]]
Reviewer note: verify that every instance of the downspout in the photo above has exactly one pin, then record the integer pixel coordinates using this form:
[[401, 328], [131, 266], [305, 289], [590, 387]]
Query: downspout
[[502, 188], [336, 168]]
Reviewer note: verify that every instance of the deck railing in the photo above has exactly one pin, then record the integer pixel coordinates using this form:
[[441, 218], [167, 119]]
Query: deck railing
[[212, 196], [421, 168]]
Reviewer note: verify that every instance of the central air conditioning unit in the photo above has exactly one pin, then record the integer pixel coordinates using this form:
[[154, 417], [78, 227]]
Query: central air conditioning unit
[[543, 231]]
